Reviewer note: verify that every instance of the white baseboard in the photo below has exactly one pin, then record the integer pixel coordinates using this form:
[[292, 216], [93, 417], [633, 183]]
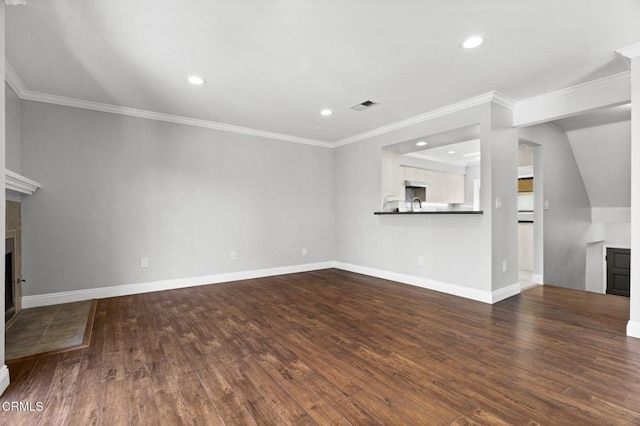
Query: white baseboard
[[4, 379], [633, 329], [505, 292], [537, 279], [453, 289], [128, 289]]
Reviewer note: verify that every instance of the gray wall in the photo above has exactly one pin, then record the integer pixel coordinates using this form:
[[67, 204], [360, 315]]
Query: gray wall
[[569, 216], [393, 243], [115, 189], [603, 154], [12, 147]]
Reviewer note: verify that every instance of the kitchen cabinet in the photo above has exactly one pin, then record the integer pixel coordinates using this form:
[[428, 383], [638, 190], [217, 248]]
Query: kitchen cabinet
[[443, 187], [437, 191], [392, 175], [414, 174], [455, 188]]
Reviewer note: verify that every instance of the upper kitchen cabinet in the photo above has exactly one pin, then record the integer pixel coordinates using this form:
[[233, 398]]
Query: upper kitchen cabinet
[[455, 189], [392, 175], [414, 174]]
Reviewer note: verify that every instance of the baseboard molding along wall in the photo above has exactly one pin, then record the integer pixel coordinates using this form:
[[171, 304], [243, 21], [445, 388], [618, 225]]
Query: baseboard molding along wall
[[453, 289], [633, 329], [148, 287]]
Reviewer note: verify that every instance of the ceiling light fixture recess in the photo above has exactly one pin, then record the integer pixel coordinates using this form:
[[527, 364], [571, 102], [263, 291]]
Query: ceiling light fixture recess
[[196, 80], [451, 152], [473, 42], [326, 112], [421, 143]]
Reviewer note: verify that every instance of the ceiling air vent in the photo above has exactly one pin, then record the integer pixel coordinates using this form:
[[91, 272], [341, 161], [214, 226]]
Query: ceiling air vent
[[363, 105]]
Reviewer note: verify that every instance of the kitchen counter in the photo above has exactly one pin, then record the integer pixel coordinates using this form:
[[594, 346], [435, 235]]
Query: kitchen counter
[[433, 212]]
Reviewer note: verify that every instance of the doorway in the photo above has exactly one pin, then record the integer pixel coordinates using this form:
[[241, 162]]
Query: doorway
[[529, 216]]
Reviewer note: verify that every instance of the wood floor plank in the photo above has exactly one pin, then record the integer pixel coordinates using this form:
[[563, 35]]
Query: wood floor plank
[[333, 347]]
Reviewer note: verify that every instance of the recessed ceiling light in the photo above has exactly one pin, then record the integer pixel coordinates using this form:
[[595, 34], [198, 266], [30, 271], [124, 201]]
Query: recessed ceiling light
[[196, 80], [421, 143], [318, 128], [326, 112], [451, 152], [473, 42]]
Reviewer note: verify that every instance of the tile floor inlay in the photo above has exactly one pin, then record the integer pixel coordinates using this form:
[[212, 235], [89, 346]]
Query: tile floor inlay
[[47, 328]]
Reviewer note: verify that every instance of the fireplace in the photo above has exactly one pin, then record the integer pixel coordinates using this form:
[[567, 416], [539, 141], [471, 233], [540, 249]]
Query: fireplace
[[9, 280]]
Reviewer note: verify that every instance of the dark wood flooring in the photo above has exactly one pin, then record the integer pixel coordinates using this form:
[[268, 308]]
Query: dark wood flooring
[[332, 347]]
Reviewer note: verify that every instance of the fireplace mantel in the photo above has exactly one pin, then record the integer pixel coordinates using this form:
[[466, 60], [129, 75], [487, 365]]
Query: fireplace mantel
[[17, 183]]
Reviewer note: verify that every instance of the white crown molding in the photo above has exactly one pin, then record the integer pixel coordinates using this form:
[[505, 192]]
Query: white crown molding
[[496, 97], [630, 51], [579, 89], [20, 184], [603, 92], [521, 109], [13, 80], [504, 100], [18, 86], [169, 118]]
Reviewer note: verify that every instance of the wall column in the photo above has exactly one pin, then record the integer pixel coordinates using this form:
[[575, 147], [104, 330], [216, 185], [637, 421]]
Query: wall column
[[4, 372], [633, 53]]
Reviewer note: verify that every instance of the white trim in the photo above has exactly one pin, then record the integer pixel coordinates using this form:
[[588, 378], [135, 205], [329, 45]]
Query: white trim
[[496, 97], [15, 2], [505, 292], [4, 379], [442, 287], [169, 118], [633, 329], [12, 78], [20, 184], [128, 289], [607, 91], [630, 51], [23, 93], [537, 279]]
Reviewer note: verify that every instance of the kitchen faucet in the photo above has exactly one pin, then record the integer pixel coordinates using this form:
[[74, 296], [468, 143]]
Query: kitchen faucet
[[419, 203]]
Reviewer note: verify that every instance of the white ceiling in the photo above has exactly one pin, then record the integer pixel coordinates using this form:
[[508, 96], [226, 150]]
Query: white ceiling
[[272, 65]]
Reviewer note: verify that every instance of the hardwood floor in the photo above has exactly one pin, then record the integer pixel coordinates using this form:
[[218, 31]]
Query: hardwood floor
[[332, 347]]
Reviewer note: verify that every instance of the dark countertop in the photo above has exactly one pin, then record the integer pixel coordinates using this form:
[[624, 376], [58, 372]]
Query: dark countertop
[[434, 212]]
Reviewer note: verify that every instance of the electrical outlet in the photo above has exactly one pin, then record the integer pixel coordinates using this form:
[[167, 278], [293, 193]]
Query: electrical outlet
[[233, 255], [498, 203], [304, 251], [546, 204], [420, 260], [144, 262], [504, 266]]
